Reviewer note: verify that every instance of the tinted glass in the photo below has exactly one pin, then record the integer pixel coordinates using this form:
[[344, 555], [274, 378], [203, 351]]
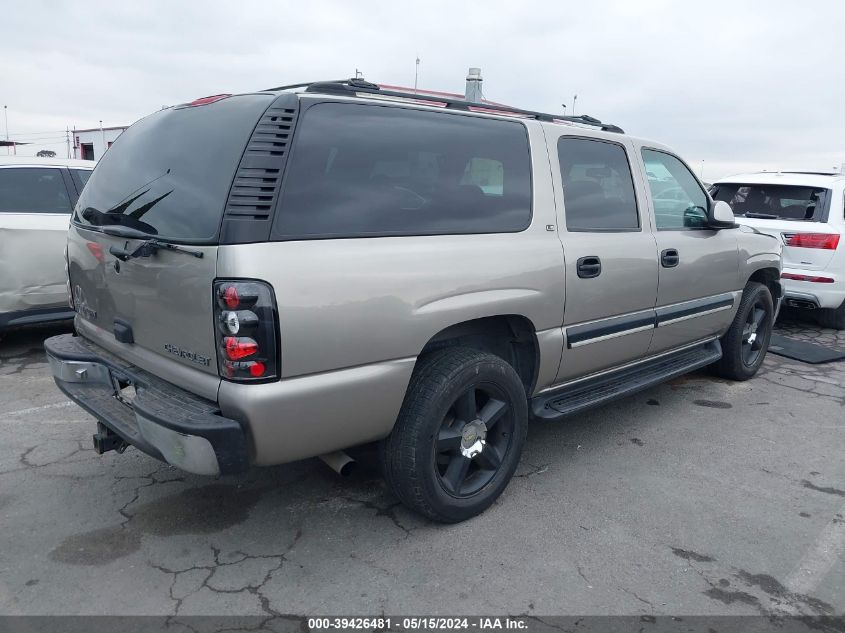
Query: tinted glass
[[360, 170], [169, 174], [679, 201], [33, 190], [80, 177], [598, 190], [782, 202]]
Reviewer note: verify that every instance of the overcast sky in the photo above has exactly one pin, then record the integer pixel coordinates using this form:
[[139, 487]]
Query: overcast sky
[[739, 85]]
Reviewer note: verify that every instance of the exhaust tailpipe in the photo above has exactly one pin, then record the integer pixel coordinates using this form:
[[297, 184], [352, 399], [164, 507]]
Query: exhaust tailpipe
[[339, 462], [801, 303]]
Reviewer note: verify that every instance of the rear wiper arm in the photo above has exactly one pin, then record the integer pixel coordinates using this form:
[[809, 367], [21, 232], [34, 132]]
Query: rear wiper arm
[[151, 247], [119, 230], [761, 216]]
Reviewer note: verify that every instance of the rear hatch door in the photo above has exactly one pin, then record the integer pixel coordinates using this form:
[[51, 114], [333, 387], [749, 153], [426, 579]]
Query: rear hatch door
[[142, 249], [794, 214]]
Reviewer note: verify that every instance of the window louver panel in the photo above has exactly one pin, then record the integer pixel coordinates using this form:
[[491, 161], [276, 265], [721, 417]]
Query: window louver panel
[[256, 184]]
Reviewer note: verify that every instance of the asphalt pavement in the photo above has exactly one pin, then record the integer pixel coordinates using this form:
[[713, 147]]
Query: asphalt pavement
[[699, 496]]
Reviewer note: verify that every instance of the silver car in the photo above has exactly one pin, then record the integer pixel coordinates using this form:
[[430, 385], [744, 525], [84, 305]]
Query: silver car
[[37, 196], [272, 276]]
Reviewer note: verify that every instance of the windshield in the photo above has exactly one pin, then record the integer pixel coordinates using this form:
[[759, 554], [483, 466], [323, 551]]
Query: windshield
[[169, 174], [781, 202]]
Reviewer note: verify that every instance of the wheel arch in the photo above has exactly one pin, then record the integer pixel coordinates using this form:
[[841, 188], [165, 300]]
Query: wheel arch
[[511, 337], [769, 277]]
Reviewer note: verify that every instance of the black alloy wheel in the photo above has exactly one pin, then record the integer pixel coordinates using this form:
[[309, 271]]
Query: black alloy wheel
[[474, 436]]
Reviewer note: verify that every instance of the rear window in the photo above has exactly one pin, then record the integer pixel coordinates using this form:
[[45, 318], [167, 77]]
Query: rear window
[[359, 170], [169, 174], [776, 202], [33, 190]]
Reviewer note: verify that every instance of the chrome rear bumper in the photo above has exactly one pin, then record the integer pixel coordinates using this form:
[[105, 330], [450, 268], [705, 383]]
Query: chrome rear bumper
[[159, 418]]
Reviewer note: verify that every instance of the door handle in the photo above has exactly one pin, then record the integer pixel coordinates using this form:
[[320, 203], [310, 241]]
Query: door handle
[[670, 258], [589, 267]]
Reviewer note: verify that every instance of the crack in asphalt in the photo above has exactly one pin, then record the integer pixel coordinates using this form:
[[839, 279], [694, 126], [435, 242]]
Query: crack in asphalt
[[581, 573], [207, 582], [388, 511], [26, 464], [535, 470], [643, 600]]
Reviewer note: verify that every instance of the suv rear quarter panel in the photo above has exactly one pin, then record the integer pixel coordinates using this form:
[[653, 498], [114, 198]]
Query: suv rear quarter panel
[[355, 313]]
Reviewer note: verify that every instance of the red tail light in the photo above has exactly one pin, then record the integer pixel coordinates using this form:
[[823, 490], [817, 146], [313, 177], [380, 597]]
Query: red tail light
[[231, 298], [826, 241], [238, 348], [812, 278], [257, 369], [245, 326]]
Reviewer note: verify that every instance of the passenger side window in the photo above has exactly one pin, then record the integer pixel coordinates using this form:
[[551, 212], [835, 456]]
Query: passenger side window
[[598, 189], [33, 190], [679, 201], [369, 171]]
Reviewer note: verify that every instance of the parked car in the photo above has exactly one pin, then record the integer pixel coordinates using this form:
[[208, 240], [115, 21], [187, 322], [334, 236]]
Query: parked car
[[36, 199], [273, 276], [807, 212]]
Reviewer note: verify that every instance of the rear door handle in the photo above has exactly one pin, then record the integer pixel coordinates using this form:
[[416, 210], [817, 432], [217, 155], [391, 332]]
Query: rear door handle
[[670, 258], [589, 267]]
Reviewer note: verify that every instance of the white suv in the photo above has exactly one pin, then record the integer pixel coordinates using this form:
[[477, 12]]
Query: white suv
[[807, 211], [37, 196]]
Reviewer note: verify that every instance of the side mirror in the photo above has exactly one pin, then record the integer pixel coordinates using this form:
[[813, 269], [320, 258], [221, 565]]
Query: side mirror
[[721, 216]]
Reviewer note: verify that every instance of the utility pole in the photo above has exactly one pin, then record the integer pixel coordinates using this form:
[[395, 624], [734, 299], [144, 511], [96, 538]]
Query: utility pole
[[67, 138], [574, 99], [416, 74], [103, 134]]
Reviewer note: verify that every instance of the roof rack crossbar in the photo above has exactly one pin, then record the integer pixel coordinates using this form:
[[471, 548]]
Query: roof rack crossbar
[[355, 85], [304, 84]]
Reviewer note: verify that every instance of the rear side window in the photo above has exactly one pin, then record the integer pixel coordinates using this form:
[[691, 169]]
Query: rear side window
[[33, 190], [169, 174], [359, 170], [782, 202], [598, 189], [80, 177]]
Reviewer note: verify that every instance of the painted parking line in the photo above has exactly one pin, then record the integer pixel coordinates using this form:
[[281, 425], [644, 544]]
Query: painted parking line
[[43, 407], [817, 561]]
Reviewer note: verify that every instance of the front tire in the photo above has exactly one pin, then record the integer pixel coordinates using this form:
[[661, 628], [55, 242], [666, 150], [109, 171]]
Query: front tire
[[746, 342], [459, 434]]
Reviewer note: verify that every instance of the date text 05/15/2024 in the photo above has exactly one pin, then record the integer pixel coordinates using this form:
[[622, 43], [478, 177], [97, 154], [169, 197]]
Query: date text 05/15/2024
[[381, 623]]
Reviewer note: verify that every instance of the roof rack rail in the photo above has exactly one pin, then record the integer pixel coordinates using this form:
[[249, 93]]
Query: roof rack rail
[[356, 85]]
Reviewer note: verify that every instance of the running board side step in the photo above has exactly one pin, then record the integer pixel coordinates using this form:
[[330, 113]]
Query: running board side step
[[571, 399]]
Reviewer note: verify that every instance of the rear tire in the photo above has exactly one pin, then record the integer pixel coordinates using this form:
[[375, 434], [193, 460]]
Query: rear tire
[[832, 317], [746, 342], [459, 434]]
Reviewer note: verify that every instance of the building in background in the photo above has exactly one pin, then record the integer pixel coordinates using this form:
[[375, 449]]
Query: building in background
[[91, 144]]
